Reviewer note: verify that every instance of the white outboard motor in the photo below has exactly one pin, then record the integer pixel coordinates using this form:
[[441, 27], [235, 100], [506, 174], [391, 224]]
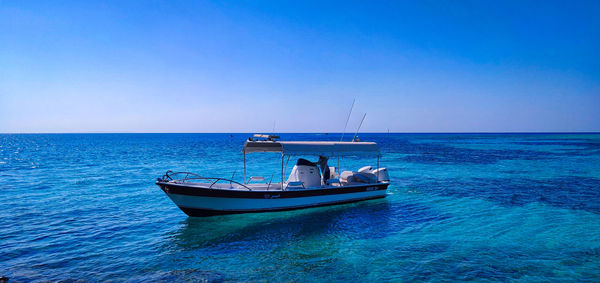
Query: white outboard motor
[[382, 175], [366, 169], [306, 172]]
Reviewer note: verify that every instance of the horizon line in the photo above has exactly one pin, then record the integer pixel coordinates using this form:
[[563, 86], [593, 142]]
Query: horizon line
[[483, 132]]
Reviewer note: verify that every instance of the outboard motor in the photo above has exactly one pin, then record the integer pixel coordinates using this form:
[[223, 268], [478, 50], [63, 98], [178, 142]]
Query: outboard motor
[[306, 172], [366, 169], [382, 175]]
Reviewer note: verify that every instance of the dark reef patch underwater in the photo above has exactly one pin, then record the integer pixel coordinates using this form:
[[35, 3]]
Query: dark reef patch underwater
[[461, 207]]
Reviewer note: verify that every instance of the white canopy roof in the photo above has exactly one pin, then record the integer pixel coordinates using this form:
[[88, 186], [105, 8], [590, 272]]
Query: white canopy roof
[[326, 148]]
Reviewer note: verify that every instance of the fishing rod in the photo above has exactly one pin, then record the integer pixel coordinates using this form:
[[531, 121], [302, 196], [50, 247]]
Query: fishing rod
[[361, 121], [347, 119]]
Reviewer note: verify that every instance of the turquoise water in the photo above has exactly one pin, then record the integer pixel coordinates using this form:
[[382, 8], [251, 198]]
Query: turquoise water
[[461, 206]]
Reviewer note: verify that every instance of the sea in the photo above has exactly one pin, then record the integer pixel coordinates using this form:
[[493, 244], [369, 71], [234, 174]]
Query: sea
[[482, 207]]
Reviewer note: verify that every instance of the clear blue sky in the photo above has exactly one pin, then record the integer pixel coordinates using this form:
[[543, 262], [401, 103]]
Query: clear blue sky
[[238, 66]]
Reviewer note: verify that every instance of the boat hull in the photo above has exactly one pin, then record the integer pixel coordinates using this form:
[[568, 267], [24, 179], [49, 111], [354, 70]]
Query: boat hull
[[196, 201]]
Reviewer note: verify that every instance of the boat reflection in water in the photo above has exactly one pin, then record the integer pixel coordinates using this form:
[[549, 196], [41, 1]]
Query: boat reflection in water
[[370, 219]]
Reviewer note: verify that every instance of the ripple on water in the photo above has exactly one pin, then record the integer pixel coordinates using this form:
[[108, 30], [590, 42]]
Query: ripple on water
[[462, 207]]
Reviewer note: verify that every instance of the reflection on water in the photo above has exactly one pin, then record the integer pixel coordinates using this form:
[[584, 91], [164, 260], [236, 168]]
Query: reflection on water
[[250, 228], [309, 237]]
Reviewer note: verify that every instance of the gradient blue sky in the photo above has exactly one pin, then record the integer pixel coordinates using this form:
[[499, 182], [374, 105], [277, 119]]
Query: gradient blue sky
[[238, 66]]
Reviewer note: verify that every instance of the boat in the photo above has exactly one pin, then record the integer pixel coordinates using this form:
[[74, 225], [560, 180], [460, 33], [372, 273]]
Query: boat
[[309, 184]]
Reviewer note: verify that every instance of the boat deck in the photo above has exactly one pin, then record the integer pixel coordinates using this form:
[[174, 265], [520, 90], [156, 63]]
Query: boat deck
[[261, 187]]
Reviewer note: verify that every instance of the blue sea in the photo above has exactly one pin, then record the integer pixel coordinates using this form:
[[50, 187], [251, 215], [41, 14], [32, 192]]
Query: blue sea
[[497, 207]]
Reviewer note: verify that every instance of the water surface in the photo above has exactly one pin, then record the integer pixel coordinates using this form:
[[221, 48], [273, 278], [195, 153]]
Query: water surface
[[461, 206]]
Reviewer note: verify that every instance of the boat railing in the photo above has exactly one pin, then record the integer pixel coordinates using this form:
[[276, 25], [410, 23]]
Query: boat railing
[[188, 176]]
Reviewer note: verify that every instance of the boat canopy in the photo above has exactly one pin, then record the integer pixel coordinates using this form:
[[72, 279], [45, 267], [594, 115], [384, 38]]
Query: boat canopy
[[325, 148]]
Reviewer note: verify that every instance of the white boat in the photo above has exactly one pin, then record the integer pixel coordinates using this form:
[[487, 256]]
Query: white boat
[[309, 184]]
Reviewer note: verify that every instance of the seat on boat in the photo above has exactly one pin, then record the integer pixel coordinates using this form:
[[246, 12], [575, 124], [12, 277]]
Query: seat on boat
[[345, 176], [291, 186], [257, 179]]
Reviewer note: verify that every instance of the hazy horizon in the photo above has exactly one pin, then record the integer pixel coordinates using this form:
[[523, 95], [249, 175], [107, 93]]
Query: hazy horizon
[[322, 133], [232, 67]]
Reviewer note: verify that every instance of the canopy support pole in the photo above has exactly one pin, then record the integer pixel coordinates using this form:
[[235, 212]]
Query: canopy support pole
[[282, 157], [244, 166], [378, 167], [286, 163]]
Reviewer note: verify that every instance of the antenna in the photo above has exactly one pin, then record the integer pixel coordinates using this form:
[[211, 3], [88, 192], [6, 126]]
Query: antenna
[[273, 131], [361, 121], [354, 100], [233, 175]]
